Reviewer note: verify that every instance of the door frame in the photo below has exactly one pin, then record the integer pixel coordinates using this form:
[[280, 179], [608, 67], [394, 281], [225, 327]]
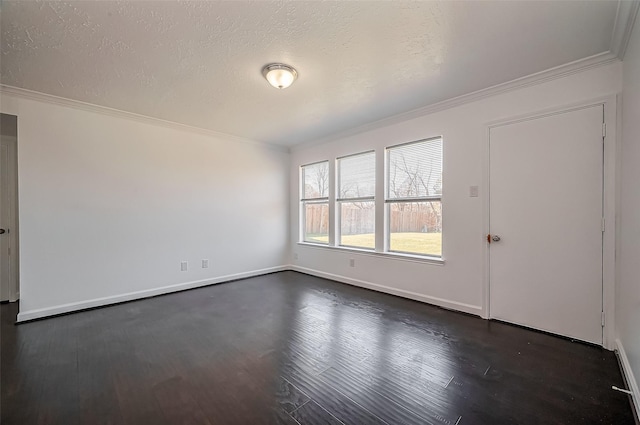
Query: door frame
[[14, 234], [611, 168]]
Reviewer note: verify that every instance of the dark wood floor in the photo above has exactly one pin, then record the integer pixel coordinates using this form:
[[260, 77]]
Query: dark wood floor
[[288, 348]]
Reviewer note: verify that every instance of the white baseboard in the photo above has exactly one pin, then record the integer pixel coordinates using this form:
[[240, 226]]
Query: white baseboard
[[99, 302], [441, 302], [630, 378]]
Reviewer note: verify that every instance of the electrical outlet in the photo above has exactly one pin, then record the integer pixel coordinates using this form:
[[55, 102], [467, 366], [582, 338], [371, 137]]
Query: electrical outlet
[[183, 266], [295, 256], [205, 264], [352, 262]]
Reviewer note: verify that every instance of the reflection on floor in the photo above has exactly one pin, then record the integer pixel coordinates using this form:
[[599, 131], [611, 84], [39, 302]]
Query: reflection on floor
[[288, 348]]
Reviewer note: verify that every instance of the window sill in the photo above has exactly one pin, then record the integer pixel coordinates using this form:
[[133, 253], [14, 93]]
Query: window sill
[[391, 255]]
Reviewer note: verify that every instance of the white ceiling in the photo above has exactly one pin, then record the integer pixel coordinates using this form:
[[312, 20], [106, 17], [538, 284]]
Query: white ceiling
[[199, 63]]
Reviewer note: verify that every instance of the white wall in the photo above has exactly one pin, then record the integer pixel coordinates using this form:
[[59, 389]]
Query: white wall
[[459, 282], [110, 206], [628, 289]]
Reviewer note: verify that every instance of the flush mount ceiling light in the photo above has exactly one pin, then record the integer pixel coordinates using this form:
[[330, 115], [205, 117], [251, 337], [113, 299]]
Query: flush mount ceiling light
[[279, 75]]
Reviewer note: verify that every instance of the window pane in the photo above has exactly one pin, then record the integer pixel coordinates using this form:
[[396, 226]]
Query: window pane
[[357, 176], [315, 180], [415, 170], [416, 227], [316, 222], [357, 224]]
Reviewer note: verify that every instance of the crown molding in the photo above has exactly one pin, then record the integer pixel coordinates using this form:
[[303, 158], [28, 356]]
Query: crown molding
[[117, 113], [561, 71], [625, 20]]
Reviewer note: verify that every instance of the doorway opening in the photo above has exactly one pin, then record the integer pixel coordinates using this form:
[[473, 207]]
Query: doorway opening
[[9, 265]]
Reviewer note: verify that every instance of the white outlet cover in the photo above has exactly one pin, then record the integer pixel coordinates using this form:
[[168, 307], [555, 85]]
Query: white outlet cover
[[183, 266], [205, 264], [473, 191]]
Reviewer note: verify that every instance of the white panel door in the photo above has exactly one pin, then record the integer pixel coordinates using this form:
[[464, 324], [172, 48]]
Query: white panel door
[[546, 177]]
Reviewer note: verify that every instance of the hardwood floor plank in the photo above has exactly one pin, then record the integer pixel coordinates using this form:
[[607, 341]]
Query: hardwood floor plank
[[436, 407], [176, 399], [290, 397], [312, 413], [98, 398], [336, 403], [378, 400], [228, 394], [136, 401]]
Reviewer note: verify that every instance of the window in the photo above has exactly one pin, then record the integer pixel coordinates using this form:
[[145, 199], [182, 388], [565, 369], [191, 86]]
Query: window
[[412, 202], [315, 202], [356, 200], [414, 197]]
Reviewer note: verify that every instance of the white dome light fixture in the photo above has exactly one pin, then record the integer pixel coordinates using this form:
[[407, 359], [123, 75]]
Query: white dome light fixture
[[279, 75]]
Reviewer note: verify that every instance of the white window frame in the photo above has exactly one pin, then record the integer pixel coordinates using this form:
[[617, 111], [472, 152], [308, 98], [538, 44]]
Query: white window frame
[[340, 201], [310, 201], [388, 201]]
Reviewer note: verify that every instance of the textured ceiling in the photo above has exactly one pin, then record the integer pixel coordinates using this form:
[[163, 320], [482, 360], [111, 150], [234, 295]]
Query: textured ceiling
[[199, 63]]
